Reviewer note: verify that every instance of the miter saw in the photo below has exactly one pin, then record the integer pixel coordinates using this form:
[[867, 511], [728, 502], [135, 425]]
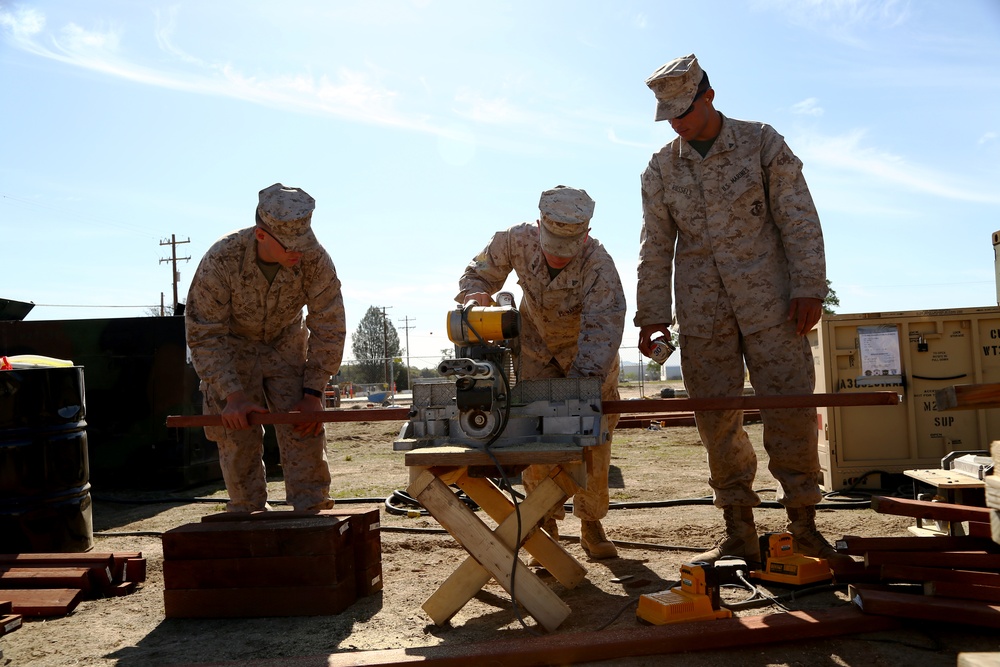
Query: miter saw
[[480, 402]]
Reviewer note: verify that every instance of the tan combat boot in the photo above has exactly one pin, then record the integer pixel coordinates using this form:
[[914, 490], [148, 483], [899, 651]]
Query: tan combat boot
[[809, 541], [740, 539], [595, 542]]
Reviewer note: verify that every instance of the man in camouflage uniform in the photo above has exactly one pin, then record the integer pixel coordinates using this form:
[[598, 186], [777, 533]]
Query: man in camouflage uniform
[[730, 225], [572, 318], [252, 348]]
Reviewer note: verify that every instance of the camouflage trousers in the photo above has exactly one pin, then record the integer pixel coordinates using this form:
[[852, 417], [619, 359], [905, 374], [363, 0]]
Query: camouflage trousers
[[268, 380], [590, 504], [779, 362]]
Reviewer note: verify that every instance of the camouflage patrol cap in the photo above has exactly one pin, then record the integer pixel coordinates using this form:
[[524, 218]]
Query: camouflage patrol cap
[[566, 214], [287, 213], [675, 85]]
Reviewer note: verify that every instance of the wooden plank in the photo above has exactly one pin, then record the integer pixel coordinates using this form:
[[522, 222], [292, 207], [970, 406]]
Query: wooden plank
[[967, 397], [560, 564], [618, 644], [858, 546], [103, 561], [470, 576], [961, 560], [906, 605], [9, 623], [325, 416], [135, 570], [544, 605], [750, 402], [921, 574], [243, 539], [43, 601], [921, 509], [452, 456], [260, 572], [258, 602], [47, 577], [950, 589], [5, 605]]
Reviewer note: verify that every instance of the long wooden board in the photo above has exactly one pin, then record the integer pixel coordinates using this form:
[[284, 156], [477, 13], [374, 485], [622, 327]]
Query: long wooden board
[[43, 601], [243, 539], [967, 397], [920, 574], [325, 416], [922, 509], [962, 560], [750, 402], [858, 546], [282, 571], [906, 605]]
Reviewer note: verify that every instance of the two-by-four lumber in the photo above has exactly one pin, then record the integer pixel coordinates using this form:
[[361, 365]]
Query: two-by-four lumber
[[244, 539], [47, 577], [858, 546], [281, 571], [967, 397], [43, 601], [917, 573], [326, 416], [750, 402], [923, 509], [874, 600], [629, 641], [4, 605], [104, 562], [950, 589], [9, 623], [961, 560]]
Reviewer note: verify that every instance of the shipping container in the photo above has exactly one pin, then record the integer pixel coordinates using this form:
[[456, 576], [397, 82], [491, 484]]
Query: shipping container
[[914, 353]]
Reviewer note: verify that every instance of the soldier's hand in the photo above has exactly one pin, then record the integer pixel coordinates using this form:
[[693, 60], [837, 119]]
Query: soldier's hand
[[805, 312], [646, 334], [309, 404], [238, 407], [478, 298]]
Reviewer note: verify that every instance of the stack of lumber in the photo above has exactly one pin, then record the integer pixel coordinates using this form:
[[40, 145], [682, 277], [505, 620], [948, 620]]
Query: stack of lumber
[[280, 563], [952, 579], [53, 584], [8, 620]]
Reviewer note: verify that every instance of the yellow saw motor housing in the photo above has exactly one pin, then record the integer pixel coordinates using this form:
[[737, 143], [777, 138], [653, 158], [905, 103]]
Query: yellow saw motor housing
[[478, 325]]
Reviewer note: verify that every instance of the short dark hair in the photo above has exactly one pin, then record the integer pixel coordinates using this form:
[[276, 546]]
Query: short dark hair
[[704, 84]]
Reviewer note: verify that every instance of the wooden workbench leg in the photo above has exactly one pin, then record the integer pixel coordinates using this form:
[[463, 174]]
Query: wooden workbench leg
[[560, 564], [476, 537]]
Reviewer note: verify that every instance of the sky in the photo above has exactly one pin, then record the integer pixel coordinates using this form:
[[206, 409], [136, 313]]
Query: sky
[[421, 127]]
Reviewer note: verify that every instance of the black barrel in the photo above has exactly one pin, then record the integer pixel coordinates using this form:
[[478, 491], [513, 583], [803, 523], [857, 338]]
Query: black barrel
[[45, 503]]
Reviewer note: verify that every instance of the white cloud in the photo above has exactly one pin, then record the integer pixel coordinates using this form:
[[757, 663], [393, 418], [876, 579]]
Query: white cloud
[[849, 153], [808, 107], [988, 137], [23, 23]]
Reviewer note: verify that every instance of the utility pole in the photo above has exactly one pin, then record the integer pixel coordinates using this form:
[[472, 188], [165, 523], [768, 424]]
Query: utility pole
[[407, 328], [385, 349], [173, 259]]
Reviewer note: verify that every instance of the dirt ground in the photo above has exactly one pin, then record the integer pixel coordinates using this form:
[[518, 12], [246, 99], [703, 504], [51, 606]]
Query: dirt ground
[[659, 474]]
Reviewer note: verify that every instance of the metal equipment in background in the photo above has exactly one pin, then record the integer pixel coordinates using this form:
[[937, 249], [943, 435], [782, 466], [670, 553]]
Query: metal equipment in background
[[480, 401]]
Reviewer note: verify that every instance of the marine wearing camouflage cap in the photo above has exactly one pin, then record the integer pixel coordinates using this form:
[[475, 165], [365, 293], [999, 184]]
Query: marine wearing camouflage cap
[[565, 220], [287, 213], [675, 85]]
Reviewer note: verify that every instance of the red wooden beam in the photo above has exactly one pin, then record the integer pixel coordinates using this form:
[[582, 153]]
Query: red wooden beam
[[750, 402], [922, 509], [256, 418]]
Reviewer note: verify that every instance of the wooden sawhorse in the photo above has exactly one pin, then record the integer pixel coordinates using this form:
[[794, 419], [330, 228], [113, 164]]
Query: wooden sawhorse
[[434, 469]]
